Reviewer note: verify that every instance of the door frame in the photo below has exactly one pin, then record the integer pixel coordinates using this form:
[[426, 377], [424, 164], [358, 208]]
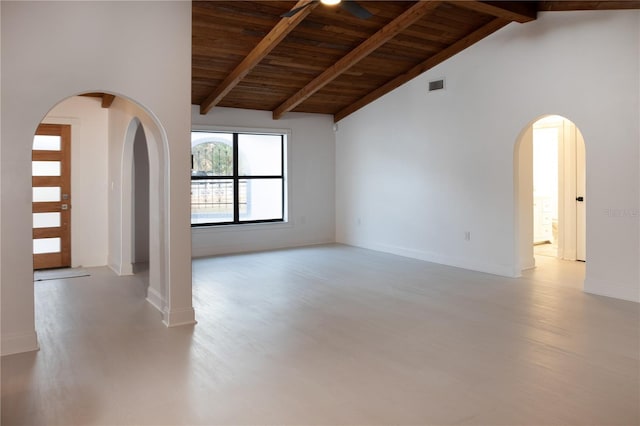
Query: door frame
[[63, 258], [523, 195]]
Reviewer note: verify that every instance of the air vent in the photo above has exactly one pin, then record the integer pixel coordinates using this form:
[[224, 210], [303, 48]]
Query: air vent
[[436, 85]]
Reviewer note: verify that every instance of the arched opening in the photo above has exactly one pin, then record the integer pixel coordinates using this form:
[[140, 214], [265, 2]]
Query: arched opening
[[118, 176], [550, 192], [136, 125], [140, 202]]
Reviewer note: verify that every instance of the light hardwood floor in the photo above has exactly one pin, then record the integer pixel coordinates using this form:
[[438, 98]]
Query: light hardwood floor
[[330, 335]]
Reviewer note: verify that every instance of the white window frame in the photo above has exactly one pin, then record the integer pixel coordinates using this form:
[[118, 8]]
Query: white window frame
[[286, 133]]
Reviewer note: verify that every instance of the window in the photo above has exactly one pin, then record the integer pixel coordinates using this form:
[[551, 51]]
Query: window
[[237, 178]]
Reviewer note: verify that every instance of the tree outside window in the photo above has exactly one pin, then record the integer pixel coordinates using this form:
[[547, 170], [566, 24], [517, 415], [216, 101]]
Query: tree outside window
[[237, 178]]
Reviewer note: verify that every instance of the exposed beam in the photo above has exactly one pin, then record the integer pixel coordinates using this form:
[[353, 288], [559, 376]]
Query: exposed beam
[[266, 45], [588, 5], [518, 11], [107, 100], [409, 17], [434, 60]]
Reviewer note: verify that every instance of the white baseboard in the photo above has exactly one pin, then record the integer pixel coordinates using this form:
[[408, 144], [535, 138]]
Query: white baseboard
[[511, 271], [155, 299], [124, 269], [209, 250], [607, 288], [19, 342], [178, 317], [529, 264]]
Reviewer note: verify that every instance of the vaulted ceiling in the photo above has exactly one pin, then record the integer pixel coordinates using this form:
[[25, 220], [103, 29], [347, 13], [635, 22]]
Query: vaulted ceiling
[[325, 59]]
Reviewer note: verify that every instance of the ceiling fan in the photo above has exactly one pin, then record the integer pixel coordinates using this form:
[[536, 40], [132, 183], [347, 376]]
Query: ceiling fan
[[350, 6]]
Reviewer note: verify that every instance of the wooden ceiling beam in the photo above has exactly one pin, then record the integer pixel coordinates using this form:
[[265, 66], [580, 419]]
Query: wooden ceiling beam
[[431, 62], [566, 5], [409, 17], [107, 100], [518, 11], [266, 45]]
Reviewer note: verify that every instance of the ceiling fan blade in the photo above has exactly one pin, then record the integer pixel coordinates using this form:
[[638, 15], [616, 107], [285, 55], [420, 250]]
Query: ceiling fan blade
[[292, 12], [355, 9]]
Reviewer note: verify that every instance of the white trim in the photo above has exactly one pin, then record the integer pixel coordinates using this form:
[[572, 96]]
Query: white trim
[[155, 299], [603, 287], [121, 269], [510, 271], [239, 129], [178, 317], [529, 264], [203, 252], [19, 342], [287, 154], [62, 120], [240, 227], [114, 267], [127, 269]]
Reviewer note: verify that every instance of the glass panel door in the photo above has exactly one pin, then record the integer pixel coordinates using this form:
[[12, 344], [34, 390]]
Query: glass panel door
[[51, 184]]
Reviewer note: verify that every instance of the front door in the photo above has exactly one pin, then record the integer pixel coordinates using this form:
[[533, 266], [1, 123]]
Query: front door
[[51, 182]]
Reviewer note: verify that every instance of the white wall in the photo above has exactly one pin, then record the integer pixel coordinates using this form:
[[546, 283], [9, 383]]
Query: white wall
[[310, 178], [89, 136], [417, 170], [523, 196], [52, 50], [0, 198]]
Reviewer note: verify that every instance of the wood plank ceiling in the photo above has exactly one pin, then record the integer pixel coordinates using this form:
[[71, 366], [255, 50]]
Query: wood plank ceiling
[[325, 60]]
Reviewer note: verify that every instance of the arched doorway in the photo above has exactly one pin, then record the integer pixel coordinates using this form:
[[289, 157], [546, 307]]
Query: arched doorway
[[140, 202], [119, 155], [142, 222], [550, 191]]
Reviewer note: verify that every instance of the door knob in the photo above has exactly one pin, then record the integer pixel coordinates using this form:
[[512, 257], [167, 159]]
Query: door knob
[[580, 199]]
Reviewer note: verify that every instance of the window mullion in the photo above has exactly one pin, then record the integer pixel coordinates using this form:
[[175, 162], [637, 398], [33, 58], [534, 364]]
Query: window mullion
[[282, 174], [236, 181]]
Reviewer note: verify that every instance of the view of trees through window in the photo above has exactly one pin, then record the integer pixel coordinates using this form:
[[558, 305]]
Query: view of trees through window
[[236, 178], [213, 159]]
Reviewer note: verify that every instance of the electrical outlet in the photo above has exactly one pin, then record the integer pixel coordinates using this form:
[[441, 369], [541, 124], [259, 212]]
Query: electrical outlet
[[467, 235]]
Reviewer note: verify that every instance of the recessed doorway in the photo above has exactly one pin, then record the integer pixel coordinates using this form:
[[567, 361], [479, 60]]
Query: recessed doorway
[[559, 184], [140, 204], [550, 212]]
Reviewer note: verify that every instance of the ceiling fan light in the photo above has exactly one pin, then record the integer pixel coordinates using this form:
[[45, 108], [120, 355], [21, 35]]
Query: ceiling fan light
[[330, 2]]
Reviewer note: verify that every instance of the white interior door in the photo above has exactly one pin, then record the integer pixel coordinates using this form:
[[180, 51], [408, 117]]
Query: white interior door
[[581, 215], [570, 166], [567, 191]]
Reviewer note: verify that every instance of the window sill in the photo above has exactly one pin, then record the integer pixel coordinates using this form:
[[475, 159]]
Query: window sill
[[241, 227]]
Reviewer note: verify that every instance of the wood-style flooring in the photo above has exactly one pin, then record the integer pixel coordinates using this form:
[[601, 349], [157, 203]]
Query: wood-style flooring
[[330, 335]]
